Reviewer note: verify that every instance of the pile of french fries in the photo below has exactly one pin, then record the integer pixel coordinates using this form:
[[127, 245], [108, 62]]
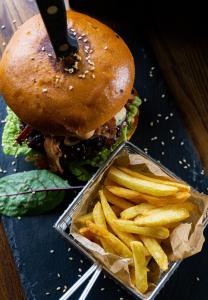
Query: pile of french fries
[[134, 214]]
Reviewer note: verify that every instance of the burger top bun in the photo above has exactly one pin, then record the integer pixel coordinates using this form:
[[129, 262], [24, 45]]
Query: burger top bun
[[56, 98]]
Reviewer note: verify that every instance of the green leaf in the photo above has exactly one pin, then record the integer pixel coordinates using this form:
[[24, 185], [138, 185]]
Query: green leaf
[[79, 171], [10, 132], [32, 192]]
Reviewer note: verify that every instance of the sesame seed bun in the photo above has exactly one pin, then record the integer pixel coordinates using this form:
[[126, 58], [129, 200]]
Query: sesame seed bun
[[46, 95]]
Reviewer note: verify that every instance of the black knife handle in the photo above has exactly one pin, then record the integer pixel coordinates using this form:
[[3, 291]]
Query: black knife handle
[[53, 13]]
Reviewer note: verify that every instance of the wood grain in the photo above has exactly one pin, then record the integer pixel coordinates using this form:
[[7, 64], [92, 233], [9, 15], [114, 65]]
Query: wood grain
[[10, 286], [184, 63]]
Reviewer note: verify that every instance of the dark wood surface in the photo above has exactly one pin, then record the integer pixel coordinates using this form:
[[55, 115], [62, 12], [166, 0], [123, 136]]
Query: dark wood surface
[[184, 64]]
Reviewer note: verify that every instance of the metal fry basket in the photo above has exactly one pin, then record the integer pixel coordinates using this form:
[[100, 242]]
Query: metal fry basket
[[63, 225]]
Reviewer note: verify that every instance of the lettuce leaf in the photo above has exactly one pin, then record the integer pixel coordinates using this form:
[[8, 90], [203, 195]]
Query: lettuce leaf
[[10, 132]]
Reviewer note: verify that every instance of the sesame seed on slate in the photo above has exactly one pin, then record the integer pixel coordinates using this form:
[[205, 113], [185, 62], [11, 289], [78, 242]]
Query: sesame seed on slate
[[151, 124], [80, 270], [79, 275], [173, 138], [52, 251], [180, 162], [162, 143], [69, 249], [163, 96], [58, 275], [47, 293], [102, 289], [81, 261], [145, 99], [58, 288], [182, 143], [71, 258], [197, 278], [159, 115]]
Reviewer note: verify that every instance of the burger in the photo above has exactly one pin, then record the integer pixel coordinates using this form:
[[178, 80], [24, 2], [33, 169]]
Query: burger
[[71, 114]]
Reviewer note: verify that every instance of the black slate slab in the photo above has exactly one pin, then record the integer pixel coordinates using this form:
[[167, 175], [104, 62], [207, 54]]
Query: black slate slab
[[41, 254]]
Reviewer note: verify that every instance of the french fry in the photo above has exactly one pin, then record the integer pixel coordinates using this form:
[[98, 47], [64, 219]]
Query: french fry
[[82, 219], [132, 212], [87, 234], [181, 186], [140, 266], [131, 227], [99, 219], [122, 203], [137, 197], [119, 247], [108, 181], [156, 251], [162, 216], [140, 185], [128, 194], [127, 238], [117, 210]]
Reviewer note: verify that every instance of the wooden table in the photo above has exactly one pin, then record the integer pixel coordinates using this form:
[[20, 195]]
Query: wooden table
[[185, 66]]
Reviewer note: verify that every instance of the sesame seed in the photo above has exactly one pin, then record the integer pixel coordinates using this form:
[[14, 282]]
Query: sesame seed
[[14, 170], [91, 51], [104, 276], [90, 62], [65, 288], [43, 48], [180, 162], [173, 138], [185, 167], [49, 55], [167, 117], [44, 90], [188, 165], [4, 171], [93, 76], [102, 289], [71, 87], [162, 143], [32, 58], [145, 99], [72, 29], [70, 258], [184, 160], [152, 68], [80, 270], [79, 275], [159, 115], [106, 47], [52, 251], [80, 37], [92, 68], [151, 124], [197, 278], [171, 114], [70, 71], [14, 21], [86, 51], [58, 288], [86, 72], [182, 143], [81, 261], [154, 138], [3, 27], [58, 275], [47, 293], [202, 172], [162, 153], [19, 218], [74, 33], [69, 249], [157, 121], [163, 96], [83, 34], [13, 162], [121, 298], [87, 47], [3, 44], [171, 131], [81, 76], [85, 40]]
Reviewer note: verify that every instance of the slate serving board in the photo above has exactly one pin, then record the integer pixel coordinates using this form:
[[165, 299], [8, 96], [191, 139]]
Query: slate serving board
[[47, 263]]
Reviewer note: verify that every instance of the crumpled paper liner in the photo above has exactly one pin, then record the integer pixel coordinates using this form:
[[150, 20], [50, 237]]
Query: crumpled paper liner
[[185, 240]]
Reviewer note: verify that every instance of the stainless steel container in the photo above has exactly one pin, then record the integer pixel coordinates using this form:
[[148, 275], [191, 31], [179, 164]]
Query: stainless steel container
[[63, 223]]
